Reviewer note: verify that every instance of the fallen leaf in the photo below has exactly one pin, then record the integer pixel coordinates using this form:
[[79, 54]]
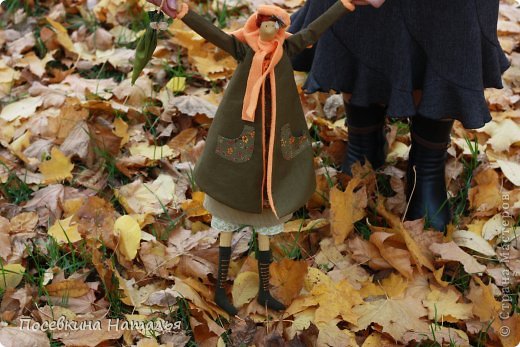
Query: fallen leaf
[[287, 278], [395, 316], [68, 288], [16, 337], [397, 257], [245, 288], [129, 234], [21, 109], [444, 306], [346, 208], [64, 232], [511, 170], [58, 168], [452, 252], [11, 275], [470, 240]]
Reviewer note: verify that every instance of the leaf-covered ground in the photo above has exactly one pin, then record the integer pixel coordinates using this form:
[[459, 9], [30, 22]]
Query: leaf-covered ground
[[101, 219]]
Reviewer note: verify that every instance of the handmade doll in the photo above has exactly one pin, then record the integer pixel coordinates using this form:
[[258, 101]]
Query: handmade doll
[[429, 60], [257, 165]]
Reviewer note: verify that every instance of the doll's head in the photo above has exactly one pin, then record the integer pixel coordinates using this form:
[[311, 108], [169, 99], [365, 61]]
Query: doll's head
[[269, 26]]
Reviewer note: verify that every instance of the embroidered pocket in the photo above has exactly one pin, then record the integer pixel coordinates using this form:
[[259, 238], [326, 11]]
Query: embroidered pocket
[[292, 145], [238, 149]]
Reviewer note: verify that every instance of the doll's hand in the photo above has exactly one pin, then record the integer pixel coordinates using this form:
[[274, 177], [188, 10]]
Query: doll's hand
[[374, 3], [170, 7]]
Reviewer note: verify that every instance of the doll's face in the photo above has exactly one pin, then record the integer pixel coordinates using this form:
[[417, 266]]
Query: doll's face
[[268, 30]]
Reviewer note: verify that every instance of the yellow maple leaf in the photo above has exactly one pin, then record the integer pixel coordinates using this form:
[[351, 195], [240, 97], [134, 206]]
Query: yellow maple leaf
[[336, 299], [195, 207], [58, 168], [63, 232], [129, 234], [396, 316], [444, 305], [394, 285], [346, 208]]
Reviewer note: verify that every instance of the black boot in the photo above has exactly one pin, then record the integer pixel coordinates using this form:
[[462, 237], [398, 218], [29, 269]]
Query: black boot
[[429, 198], [366, 136], [224, 256], [264, 297]]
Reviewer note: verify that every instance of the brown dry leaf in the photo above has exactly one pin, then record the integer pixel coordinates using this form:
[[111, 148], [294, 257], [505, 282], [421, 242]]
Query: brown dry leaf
[[95, 220], [71, 113], [365, 252], [445, 306], [423, 238], [397, 226], [452, 252], [68, 288], [486, 196], [61, 35], [58, 168], [347, 208], [331, 335], [16, 337], [24, 222], [89, 338], [5, 242], [485, 306], [396, 316], [442, 335], [397, 257], [287, 277]]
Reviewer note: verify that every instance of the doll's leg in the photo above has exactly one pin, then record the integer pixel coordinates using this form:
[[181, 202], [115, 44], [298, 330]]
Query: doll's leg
[[366, 136], [426, 187], [224, 257], [264, 259]]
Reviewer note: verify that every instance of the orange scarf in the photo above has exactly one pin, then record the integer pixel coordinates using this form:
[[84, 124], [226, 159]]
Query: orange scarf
[[250, 34]]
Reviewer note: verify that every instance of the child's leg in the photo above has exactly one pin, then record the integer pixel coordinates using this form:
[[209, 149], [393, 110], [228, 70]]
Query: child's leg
[[426, 185], [264, 260], [226, 234], [366, 136]]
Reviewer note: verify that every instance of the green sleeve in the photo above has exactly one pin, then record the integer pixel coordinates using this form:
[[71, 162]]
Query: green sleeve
[[214, 35], [308, 36]]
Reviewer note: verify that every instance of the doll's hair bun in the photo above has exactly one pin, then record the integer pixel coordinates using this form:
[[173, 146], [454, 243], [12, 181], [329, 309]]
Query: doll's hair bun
[[260, 18]]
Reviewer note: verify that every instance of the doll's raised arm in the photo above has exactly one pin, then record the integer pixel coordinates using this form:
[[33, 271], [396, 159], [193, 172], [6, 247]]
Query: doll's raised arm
[[308, 36], [211, 33]]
